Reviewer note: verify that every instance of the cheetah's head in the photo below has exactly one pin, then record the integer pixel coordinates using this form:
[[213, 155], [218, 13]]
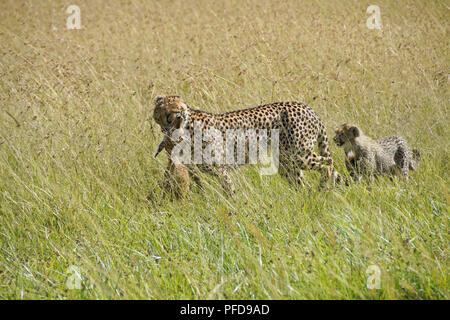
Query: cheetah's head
[[346, 133], [170, 113]]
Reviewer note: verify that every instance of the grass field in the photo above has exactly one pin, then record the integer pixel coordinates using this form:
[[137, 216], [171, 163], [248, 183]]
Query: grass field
[[79, 184]]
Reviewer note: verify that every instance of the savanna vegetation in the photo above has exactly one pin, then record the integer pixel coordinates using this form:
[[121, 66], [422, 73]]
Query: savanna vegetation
[[79, 183]]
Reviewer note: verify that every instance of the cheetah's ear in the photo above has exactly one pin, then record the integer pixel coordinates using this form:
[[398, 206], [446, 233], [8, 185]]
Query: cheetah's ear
[[355, 131]]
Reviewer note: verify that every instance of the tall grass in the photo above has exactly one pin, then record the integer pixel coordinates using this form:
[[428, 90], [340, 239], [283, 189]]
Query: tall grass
[[79, 185]]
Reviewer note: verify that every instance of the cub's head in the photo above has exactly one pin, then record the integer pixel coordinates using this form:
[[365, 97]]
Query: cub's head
[[170, 113], [346, 133]]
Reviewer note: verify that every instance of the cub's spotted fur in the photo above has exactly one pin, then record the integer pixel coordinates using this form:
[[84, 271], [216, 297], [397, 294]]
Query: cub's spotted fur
[[366, 156]]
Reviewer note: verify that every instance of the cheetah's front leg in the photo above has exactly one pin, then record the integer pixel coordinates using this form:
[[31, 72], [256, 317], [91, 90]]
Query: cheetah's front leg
[[223, 174], [220, 172]]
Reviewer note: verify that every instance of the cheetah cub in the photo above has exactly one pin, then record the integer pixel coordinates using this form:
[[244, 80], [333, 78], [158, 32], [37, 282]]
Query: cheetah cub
[[365, 156], [176, 176]]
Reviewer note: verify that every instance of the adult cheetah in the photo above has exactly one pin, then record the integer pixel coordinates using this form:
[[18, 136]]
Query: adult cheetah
[[300, 130]]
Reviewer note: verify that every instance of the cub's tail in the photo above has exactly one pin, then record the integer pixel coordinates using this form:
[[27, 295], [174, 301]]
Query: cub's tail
[[415, 159]]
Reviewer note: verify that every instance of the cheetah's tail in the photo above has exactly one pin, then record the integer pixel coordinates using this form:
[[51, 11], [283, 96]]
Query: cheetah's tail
[[322, 141], [324, 151], [415, 159]]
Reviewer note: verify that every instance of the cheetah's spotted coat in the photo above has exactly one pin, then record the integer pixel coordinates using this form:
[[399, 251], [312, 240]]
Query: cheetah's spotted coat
[[300, 131]]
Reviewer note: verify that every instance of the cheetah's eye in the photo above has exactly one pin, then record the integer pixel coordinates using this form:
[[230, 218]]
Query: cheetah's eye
[[169, 119]]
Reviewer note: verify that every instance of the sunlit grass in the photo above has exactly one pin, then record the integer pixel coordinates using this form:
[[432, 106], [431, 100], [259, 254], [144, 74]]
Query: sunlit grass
[[79, 184]]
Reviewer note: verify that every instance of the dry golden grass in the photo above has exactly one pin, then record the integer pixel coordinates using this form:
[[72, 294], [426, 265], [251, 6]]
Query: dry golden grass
[[77, 139]]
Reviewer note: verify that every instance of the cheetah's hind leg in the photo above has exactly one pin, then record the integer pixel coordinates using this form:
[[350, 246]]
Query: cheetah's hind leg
[[312, 161], [402, 162]]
